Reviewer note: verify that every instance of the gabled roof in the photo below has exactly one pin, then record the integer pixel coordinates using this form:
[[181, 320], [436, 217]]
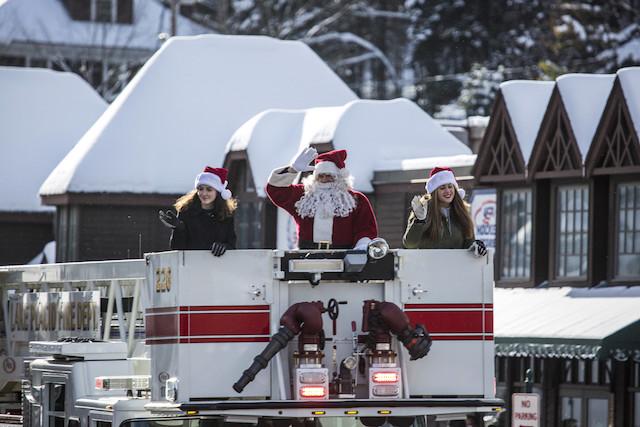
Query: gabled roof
[[47, 21], [378, 135], [43, 113], [178, 113], [567, 322], [584, 97], [526, 103], [630, 83]]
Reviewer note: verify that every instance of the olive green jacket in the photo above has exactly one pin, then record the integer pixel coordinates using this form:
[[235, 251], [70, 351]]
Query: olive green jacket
[[415, 237]]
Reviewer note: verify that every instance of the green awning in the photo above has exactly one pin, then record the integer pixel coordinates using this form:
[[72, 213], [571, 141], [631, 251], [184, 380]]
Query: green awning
[[568, 322]]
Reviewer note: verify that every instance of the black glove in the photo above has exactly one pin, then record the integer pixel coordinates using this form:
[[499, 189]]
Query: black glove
[[169, 219], [478, 248], [218, 249]]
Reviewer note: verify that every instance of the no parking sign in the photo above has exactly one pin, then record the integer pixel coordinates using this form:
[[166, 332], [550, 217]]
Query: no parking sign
[[525, 409]]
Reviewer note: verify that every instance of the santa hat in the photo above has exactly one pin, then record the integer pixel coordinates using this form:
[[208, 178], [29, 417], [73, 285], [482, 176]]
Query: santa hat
[[332, 163], [441, 176], [216, 178]]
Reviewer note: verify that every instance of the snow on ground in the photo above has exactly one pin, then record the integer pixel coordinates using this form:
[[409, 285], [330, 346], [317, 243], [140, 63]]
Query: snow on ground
[[47, 21], [526, 102], [44, 113], [378, 135], [630, 82], [584, 97], [179, 112]]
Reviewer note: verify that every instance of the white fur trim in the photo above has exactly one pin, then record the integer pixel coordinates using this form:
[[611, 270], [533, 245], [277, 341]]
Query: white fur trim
[[326, 167], [322, 229], [213, 180], [442, 178], [280, 178]]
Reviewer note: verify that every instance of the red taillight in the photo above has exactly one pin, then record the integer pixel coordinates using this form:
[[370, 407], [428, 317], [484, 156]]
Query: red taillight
[[312, 391], [385, 377]]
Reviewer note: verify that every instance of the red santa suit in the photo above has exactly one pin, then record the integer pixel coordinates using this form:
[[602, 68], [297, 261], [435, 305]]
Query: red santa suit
[[324, 214]]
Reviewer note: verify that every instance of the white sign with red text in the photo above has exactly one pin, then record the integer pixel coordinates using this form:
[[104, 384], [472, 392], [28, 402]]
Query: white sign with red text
[[525, 409]]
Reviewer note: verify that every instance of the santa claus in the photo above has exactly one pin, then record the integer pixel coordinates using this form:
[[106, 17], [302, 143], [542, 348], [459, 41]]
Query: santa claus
[[329, 214]]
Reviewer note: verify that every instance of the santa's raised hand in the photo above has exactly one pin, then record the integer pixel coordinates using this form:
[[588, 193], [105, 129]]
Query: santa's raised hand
[[301, 163]]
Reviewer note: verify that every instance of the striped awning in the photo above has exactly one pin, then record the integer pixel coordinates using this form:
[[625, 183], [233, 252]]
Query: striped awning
[[567, 322]]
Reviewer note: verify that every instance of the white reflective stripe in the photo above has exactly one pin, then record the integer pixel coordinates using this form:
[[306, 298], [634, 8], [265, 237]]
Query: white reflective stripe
[[278, 178], [322, 229]]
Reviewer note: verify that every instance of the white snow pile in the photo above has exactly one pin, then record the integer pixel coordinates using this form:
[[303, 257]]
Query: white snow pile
[[526, 102], [630, 83], [44, 114], [47, 21], [584, 97], [180, 110], [378, 135]]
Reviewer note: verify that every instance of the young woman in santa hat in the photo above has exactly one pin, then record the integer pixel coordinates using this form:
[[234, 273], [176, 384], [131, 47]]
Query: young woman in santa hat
[[440, 219], [205, 215]]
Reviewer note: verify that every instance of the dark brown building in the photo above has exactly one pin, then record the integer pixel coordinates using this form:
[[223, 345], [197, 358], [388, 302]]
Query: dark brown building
[[565, 161], [38, 126]]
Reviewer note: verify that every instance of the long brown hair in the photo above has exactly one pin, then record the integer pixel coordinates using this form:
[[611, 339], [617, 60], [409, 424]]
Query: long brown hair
[[222, 209], [459, 211]]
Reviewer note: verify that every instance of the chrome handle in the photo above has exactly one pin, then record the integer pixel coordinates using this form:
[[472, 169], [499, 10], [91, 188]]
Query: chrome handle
[[417, 291]]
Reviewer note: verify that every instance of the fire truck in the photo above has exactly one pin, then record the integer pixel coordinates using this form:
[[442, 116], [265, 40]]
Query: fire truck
[[256, 337]]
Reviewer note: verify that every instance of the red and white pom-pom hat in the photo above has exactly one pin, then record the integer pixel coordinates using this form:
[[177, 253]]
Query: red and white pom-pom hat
[[441, 176], [216, 178], [332, 163]]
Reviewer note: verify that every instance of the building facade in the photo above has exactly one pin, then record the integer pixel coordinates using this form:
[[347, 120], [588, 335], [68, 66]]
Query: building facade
[[564, 157]]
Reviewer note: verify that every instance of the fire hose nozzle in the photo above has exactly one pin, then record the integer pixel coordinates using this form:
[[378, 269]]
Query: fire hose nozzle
[[416, 341], [278, 341]]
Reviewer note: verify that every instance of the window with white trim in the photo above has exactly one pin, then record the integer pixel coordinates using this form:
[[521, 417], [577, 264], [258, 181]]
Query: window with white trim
[[627, 256], [515, 222], [572, 231]]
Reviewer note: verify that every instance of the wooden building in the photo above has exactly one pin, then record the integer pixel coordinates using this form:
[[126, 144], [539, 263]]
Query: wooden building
[[564, 157], [37, 128], [104, 41], [175, 118]]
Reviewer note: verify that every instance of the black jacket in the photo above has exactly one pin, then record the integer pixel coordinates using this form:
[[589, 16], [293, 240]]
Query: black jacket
[[201, 229]]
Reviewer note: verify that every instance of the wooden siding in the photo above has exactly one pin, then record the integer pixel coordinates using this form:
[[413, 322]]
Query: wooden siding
[[110, 232], [23, 236]]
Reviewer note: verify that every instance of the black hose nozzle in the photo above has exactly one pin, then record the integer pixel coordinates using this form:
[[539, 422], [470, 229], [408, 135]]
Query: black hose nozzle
[[417, 341], [278, 341]]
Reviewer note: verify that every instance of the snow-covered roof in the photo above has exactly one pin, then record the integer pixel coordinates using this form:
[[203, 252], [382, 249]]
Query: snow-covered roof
[[551, 320], [526, 102], [378, 135], [47, 21], [43, 113], [630, 83], [179, 111], [584, 97]]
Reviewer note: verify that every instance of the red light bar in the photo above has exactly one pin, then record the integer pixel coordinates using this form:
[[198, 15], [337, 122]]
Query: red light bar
[[385, 377], [312, 391]]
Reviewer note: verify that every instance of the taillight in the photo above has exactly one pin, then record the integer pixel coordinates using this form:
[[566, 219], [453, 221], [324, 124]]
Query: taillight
[[385, 383], [312, 383], [385, 377], [311, 391]]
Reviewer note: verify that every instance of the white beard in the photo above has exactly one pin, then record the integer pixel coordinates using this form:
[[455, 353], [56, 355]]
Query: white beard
[[326, 200]]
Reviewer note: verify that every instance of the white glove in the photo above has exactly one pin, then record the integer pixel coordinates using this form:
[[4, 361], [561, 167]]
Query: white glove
[[478, 248], [301, 163], [419, 210]]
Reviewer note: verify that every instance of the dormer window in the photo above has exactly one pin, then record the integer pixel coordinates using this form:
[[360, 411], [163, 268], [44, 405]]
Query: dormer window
[[108, 11]]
